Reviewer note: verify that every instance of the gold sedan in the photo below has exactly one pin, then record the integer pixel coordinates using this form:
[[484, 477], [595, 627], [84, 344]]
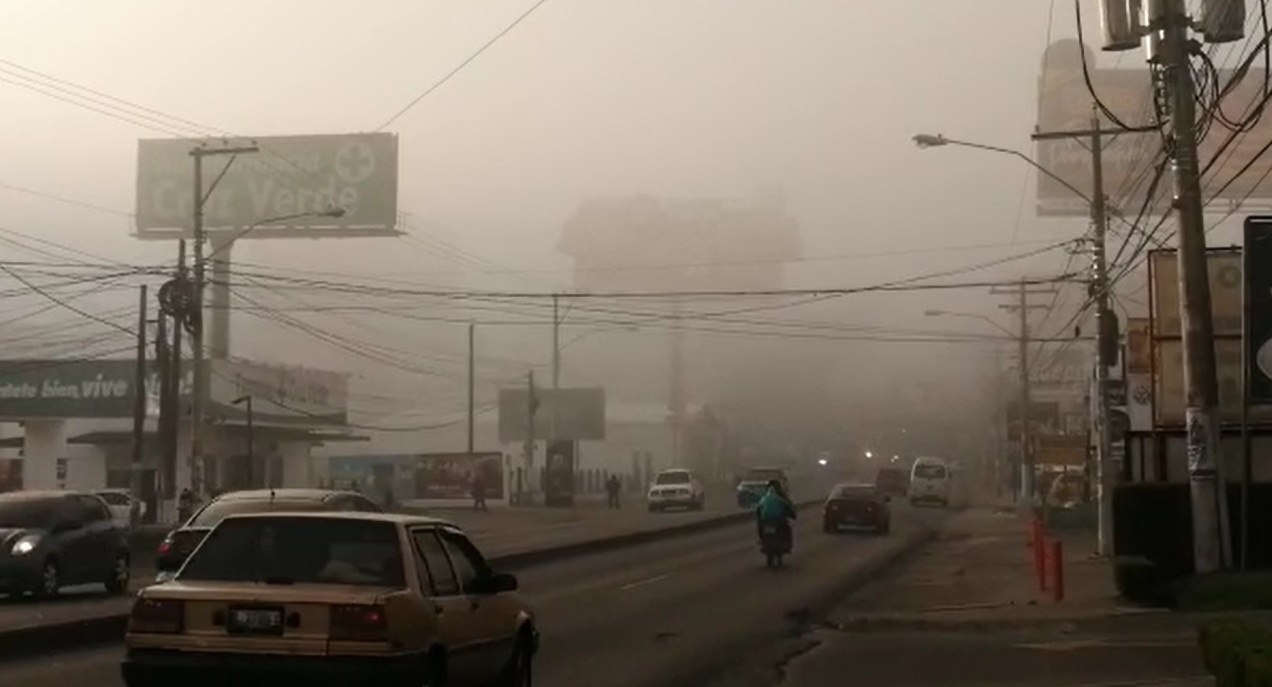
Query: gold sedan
[[332, 598]]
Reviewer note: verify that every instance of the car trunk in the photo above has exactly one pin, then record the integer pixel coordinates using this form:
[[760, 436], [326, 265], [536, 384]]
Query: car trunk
[[268, 617], [853, 510]]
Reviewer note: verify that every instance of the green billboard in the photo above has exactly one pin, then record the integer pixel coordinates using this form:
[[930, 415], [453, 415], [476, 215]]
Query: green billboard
[[67, 388]]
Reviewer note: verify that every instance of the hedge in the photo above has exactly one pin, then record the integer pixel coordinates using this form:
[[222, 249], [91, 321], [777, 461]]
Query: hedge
[[1238, 653]]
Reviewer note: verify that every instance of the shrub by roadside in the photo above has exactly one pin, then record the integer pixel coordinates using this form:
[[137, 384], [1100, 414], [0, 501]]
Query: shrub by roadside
[[1238, 653], [1226, 591]]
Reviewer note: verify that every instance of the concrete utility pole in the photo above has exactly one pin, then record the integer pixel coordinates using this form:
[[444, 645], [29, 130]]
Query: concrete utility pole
[[1106, 326], [139, 408], [1167, 26], [472, 385], [199, 392], [1025, 433]]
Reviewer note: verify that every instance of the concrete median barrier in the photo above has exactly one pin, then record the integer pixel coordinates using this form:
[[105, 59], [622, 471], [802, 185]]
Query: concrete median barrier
[[58, 626]]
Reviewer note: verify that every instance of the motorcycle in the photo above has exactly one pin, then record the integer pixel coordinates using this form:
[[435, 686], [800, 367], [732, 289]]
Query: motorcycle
[[774, 544]]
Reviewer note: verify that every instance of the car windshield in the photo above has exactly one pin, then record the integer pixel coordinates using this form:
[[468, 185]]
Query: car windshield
[[26, 513], [762, 475], [113, 498], [929, 471], [853, 491], [217, 511], [677, 477], [299, 550]]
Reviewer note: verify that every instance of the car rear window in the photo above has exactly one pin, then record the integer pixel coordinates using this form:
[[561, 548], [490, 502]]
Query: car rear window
[[929, 471], [672, 478], [283, 550], [853, 491], [217, 511], [113, 498]]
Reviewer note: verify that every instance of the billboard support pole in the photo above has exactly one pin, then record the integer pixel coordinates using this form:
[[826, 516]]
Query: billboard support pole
[[1211, 550], [198, 402]]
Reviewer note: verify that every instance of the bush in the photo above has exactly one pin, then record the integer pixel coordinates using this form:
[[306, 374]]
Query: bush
[[1238, 653], [1138, 580]]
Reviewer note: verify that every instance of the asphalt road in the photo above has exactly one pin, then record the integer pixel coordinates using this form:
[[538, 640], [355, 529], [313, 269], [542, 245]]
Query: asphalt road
[[666, 614]]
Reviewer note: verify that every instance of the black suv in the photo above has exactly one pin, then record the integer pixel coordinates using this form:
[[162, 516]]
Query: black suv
[[181, 542], [55, 539]]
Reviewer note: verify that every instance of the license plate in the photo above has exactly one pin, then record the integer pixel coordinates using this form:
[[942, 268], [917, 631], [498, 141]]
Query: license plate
[[255, 621]]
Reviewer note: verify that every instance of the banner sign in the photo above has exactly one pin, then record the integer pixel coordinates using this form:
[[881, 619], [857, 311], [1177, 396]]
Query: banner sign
[[1258, 293], [1224, 267]]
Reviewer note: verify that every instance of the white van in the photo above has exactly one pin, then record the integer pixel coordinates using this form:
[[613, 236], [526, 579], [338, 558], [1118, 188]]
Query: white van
[[930, 482]]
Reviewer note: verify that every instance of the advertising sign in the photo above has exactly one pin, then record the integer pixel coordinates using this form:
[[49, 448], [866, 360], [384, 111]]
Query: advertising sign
[[450, 476], [578, 414], [1061, 450], [1170, 401], [1139, 346], [280, 395], [558, 486], [67, 388], [1064, 104], [1139, 401], [1258, 274], [286, 188], [1224, 267]]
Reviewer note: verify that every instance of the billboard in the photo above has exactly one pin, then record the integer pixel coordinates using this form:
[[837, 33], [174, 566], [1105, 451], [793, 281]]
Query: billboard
[[578, 414], [1064, 104], [1139, 374], [67, 388], [282, 190], [435, 477], [1258, 264], [1224, 266], [280, 395]]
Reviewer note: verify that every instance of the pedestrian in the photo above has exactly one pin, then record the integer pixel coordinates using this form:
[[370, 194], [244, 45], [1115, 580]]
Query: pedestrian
[[185, 505], [614, 489], [479, 492]]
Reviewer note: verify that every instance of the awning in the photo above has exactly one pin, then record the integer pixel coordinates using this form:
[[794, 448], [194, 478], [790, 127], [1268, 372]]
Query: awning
[[106, 438]]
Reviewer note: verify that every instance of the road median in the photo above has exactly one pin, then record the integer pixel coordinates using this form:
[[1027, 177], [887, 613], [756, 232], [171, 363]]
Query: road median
[[57, 626]]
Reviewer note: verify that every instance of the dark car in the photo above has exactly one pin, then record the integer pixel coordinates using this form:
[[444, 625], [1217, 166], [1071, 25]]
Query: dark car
[[181, 542], [893, 481], [858, 506], [755, 482], [55, 539]]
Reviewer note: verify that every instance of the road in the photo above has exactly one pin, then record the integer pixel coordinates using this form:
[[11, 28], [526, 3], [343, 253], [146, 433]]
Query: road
[[500, 531], [662, 614]]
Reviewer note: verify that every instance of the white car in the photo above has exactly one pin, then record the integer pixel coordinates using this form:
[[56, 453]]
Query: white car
[[121, 503], [676, 488]]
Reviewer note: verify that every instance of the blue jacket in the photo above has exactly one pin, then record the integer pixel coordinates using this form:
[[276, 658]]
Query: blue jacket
[[773, 507]]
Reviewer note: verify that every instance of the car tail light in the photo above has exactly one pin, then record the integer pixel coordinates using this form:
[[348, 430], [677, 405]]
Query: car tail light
[[358, 623], [165, 547], [156, 616]]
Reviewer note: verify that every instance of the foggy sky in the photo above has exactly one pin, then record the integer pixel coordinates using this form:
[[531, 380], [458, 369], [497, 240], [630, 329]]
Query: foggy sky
[[681, 98]]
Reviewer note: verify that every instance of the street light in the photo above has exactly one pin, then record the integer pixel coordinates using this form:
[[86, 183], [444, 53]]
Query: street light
[[937, 140], [251, 442], [869, 455], [334, 212]]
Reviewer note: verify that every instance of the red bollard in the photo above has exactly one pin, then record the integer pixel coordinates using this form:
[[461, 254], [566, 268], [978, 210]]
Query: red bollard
[[1057, 570], [1039, 544]]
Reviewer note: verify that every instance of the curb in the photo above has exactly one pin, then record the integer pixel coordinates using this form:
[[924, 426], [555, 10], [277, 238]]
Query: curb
[[85, 633]]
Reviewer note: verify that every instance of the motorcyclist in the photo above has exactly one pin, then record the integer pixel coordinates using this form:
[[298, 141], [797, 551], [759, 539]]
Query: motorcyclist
[[775, 508]]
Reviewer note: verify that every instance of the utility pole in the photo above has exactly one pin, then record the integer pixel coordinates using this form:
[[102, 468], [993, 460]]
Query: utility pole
[[677, 400], [556, 364], [1106, 327], [198, 401], [532, 406], [176, 370], [472, 383], [1025, 433], [163, 360], [139, 407]]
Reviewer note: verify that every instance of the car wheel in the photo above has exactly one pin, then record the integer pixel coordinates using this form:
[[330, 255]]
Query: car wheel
[[519, 670], [120, 574], [50, 582]]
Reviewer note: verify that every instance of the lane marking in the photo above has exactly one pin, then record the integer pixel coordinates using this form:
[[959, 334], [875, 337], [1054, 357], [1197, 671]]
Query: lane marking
[[642, 583]]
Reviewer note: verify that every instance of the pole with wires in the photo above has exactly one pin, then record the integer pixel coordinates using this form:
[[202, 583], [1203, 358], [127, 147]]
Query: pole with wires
[[1107, 335]]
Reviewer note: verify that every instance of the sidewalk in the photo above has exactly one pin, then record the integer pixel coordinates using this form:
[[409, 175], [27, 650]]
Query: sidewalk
[[966, 611]]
